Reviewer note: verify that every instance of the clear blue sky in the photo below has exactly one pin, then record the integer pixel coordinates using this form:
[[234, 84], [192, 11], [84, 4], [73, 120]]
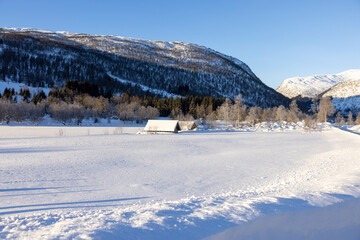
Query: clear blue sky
[[277, 39]]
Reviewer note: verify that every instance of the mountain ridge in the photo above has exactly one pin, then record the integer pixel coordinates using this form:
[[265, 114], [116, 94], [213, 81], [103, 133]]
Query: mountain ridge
[[175, 67], [312, 86], [347, 88]]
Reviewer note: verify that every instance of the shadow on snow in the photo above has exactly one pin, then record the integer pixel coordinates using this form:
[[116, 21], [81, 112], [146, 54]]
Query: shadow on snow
[[36, 207], [174, 226]]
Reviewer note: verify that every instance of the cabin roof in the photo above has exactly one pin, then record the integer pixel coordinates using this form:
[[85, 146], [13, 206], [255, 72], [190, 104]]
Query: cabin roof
[[162, 126]]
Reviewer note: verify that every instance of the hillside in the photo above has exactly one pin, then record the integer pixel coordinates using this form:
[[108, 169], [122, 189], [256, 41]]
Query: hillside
[[314, 85], [345, 95], [117, 64]]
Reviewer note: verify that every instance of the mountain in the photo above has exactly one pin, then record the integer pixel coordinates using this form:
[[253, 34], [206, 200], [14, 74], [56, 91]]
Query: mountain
[[314, 85], [117, 64], [345, 96]]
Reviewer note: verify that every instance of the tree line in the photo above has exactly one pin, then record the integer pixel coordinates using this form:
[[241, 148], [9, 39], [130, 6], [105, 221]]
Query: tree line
[[77, 101]]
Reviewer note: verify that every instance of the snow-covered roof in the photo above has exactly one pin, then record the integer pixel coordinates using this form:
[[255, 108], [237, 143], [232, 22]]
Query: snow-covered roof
[[162, 126]]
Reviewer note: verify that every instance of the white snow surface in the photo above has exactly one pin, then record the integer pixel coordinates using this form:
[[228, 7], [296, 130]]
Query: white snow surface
[[338, 221], [18, 86], [313, 85], [145, 88], [165, 186]]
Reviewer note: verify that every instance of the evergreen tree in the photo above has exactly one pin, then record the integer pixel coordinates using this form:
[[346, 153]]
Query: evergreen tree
[[192, 108]]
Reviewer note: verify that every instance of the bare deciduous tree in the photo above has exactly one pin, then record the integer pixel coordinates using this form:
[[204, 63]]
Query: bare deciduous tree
[[36, 112], [238, 110], [281, 113], [293, 112], [18, 111], [5, 110], [326, 109], [338, 119], [357, 121], [310, 123], [350, 120], [223, 112], [253, 116], [61, 112]]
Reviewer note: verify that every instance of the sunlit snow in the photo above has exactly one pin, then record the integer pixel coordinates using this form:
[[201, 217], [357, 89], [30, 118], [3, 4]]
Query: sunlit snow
[[69, 184]]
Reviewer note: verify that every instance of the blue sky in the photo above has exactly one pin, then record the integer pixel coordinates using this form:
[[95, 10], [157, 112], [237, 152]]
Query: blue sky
[[277, 39]]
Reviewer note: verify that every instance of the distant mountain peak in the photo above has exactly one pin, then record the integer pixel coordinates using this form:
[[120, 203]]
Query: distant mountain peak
[[314, 85]]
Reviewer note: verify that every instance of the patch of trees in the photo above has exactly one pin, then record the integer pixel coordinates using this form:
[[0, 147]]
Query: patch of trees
[[67, 105], [19, 112], [77, 101], [237, 114]]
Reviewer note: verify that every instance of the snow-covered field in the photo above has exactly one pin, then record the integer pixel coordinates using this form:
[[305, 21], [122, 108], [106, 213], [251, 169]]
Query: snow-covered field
[[113, 185], [334, 222]]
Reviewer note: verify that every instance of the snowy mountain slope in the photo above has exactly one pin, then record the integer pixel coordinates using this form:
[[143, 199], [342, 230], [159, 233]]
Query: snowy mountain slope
[[174, 67], [345, 96], [344, 89], [193, 55], [313, 85], [145, 88], [346, 105]]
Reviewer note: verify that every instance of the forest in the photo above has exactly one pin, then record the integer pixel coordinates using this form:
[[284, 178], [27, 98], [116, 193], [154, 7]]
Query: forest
[[77, 101]]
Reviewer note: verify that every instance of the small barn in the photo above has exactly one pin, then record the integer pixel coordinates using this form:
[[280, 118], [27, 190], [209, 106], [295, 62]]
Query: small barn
[[187, 125], [169, 126]]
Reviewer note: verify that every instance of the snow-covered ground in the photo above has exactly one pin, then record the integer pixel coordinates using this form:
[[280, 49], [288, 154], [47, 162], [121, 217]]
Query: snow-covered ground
[[338, 221], [48, 127], [17, 86], [165, 186], [145, 88]]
